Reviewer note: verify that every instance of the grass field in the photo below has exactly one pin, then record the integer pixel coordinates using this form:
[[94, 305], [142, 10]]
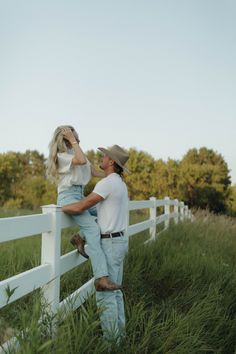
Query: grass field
[[180, 294]]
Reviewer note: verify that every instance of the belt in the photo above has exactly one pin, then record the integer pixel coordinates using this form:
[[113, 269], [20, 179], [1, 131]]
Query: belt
[[113, 234]]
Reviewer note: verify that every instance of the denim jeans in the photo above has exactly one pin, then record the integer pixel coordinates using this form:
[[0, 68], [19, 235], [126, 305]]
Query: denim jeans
[[111, 303], [89, 229]]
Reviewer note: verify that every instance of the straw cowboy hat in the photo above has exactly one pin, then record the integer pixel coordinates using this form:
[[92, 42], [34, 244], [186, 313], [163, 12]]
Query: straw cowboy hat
[[116, 153]]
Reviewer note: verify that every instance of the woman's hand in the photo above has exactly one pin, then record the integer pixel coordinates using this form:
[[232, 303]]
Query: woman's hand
[[68, 135], [79, 157]]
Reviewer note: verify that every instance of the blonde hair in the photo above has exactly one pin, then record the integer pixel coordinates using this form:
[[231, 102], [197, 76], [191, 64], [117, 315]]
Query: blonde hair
[[57, 144]]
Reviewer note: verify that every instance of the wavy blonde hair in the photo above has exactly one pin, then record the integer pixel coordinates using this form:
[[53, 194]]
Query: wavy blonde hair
[[57, 144]]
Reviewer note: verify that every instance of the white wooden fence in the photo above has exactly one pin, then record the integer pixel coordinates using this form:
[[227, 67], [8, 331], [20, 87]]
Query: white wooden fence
[[53, 265]]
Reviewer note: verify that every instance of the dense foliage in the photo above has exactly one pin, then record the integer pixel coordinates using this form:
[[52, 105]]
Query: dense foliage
[[22, 181], [201, 179]]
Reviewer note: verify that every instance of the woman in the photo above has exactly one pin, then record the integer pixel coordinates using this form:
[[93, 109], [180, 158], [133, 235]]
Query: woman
[[68, 166]]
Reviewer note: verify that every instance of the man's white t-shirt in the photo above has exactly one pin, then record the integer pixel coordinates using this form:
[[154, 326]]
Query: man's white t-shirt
[[71, 174], [112, 212]]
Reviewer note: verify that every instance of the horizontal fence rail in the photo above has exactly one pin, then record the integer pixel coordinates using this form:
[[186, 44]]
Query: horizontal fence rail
[[47, 275]]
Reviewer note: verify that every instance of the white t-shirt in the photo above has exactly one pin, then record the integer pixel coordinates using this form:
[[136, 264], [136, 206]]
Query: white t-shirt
[[71, 174], [113, 210]]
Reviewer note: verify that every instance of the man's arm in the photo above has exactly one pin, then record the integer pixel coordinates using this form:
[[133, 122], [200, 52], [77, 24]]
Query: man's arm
[[83, 205], [97, 173]]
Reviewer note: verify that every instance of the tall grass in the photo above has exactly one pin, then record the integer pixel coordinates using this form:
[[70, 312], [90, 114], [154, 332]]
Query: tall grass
[[180, 293]]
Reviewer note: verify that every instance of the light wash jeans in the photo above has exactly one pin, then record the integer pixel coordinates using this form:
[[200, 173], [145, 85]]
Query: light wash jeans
[[89, 229], [111, 303]]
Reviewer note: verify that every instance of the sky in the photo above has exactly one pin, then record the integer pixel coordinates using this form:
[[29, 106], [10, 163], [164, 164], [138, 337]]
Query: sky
[[157, 75]]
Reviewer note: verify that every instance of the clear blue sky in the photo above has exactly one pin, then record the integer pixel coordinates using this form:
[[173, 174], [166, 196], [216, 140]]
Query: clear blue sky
[[158, 75]]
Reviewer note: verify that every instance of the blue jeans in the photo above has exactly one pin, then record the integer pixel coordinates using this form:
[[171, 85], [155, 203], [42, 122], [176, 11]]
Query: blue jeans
[[89, 229], [111, 303]]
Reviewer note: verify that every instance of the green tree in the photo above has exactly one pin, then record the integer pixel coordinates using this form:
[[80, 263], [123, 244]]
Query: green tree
[[11, 171], [204, 180], [231, 202], [159, 184], [140, 180], [172, 178], [36, 191], [22, 180]]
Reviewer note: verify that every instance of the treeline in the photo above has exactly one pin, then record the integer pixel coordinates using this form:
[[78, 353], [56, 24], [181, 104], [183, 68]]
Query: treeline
[[201, 179], [22, 181]]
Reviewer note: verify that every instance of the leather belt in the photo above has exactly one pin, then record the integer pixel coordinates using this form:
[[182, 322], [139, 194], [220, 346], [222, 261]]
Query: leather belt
[[113, 234]]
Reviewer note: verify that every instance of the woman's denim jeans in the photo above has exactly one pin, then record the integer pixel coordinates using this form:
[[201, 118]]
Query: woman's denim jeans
[[89, 229], [111, 302]]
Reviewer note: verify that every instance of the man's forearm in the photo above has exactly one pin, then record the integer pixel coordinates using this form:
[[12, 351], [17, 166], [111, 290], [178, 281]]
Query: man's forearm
[[74, 208], [77, 208]]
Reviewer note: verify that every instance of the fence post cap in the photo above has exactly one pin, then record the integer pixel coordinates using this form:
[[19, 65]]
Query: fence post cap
[[51, 207]]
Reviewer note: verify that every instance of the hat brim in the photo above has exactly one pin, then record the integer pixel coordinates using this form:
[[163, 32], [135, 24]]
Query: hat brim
[[113, 157]]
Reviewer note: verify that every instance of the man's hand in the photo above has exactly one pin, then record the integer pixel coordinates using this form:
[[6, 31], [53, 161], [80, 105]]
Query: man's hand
[[77, 208]]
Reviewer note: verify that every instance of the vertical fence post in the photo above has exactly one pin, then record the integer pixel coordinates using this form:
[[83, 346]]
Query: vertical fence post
[[153, 215], [167, 212], [186, 212], [181, 211], [176, 211], [128, 219], [189, 214], [50, 254]]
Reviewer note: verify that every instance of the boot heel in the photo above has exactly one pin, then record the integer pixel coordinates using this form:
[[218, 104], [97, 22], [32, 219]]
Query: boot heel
[[78, 243], [72, 241]]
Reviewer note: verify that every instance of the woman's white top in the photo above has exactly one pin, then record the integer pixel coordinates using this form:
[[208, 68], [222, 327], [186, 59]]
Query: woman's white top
[[71, 174]]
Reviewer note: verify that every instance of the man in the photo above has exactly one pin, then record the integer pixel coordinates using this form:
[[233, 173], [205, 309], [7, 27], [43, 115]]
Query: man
[[111, 197]]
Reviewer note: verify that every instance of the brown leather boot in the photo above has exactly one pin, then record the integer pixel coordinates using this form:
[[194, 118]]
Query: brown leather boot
[[105, 284], [79, 243]]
